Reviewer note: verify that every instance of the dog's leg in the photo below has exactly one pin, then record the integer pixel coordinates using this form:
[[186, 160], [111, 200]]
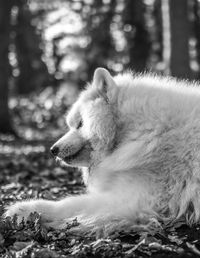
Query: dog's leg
[[55, 213], [88, 207]]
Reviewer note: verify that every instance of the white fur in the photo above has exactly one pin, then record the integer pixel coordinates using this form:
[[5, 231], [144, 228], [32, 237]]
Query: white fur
[[140, 140]]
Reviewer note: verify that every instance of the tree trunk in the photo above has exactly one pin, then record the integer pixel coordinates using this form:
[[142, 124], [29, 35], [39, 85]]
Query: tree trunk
[[196, 9], [137, 36], [179, 63], [157, 12], [33, 71], [5, 9]]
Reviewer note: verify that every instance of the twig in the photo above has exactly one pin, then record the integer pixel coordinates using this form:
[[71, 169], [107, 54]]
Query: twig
[[193, 248], [136, 247]]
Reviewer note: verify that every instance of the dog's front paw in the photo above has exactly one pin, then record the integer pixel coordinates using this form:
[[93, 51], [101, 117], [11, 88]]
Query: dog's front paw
[[21, 209], [46, 209]]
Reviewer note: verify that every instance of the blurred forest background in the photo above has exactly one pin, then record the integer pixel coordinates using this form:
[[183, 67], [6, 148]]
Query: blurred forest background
[[49, 50]]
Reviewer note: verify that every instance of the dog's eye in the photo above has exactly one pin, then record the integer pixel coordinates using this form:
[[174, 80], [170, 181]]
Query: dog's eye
[[80, 124]]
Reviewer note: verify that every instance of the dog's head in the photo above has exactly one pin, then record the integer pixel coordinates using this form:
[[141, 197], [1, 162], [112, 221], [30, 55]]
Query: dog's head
[[91, 122]]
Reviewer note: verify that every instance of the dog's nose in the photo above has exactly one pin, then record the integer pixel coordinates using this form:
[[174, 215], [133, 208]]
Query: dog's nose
[[54, 150]]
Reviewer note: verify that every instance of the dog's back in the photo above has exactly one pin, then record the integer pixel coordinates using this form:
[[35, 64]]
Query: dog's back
[[157, 151]]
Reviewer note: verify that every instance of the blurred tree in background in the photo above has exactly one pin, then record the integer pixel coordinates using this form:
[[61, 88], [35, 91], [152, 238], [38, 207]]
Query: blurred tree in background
[[33, 72], [180, 34], [58, 44], [5, 11], [196, 36], [136, 34]]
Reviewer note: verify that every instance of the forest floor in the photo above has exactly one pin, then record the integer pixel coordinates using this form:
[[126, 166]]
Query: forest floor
[[29, 171]]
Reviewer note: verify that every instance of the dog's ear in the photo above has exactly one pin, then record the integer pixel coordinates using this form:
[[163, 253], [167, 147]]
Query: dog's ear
[[103, 80]]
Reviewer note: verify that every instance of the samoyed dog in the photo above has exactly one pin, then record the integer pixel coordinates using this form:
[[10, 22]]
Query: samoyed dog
[[137, 140]]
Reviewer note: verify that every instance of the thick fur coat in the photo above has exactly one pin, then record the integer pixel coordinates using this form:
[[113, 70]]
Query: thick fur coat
[[137, 139]]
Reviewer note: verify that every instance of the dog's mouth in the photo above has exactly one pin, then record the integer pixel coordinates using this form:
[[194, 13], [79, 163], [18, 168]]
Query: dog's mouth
[[81, 155], [70, 158]]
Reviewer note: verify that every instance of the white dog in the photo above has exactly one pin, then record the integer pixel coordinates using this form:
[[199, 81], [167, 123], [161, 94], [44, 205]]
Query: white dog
[[137, 138]]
